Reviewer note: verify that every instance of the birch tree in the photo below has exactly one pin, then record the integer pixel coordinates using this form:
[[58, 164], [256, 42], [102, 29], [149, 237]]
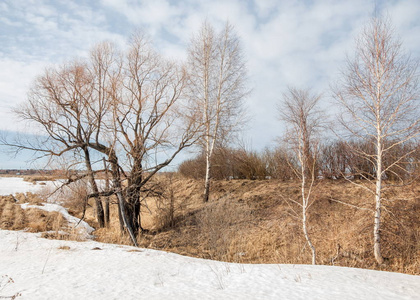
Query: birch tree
[[299, 110], [378, 94], [217, 75]]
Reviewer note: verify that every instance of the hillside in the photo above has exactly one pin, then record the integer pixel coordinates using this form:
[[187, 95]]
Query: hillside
[[254, 222]]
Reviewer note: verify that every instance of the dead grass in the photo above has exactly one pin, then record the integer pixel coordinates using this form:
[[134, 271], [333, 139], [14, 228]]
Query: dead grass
[[50, 224], [35, 178], [253, 222], [64, 248]]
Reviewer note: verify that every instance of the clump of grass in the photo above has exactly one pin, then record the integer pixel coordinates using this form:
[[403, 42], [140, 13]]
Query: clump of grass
[[34, 179], [64, 248], [6, 280], [51, 224]]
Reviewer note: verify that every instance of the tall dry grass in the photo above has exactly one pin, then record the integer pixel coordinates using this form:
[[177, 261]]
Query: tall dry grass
[[250, 221], [50, 224]]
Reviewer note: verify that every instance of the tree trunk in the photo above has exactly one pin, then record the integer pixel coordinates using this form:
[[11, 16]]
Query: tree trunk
[[377, 224], [305, 202], [107, 217], [133, 197], [207, 179], [99, 208], [121, 200]]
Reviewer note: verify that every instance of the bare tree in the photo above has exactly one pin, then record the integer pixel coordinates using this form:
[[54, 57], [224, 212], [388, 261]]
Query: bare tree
[[125, 107], [148, 121], [300, 112], [58, 103], [378, 93], [217, 74]]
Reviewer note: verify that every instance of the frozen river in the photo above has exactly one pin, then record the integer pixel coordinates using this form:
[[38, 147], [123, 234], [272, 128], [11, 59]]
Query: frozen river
[[12, 185]]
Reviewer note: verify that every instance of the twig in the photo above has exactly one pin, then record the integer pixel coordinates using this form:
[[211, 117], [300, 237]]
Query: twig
[[354, 206], [48, 256]]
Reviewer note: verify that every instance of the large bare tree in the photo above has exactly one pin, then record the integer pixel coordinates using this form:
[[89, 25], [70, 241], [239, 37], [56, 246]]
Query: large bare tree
[[378, 93], [217, 74], [58, 104], [303, 118], [148, 120], [124, 106]]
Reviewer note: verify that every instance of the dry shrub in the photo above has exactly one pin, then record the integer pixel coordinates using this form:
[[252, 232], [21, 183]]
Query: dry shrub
[[227, 163], [166, 209], [218, 223], [35, 179], [73, 197]]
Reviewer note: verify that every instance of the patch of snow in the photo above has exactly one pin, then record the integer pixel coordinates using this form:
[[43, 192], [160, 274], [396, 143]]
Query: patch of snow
[[51, 269], [83, 228], [13, 185]]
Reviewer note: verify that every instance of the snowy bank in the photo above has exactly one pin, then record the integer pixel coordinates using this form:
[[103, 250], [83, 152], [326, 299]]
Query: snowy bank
[[51, 269], [83, 229]]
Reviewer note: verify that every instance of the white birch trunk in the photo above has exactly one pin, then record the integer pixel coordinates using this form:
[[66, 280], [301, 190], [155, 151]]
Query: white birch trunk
[[305, 202], [207, 178], [377, 223]]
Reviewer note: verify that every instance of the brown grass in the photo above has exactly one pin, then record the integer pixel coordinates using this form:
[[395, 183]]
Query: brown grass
[[51, 224], [253, 222], [35, 178]]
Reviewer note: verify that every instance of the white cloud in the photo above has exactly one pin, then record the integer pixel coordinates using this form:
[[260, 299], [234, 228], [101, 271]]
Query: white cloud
[[299, 43]]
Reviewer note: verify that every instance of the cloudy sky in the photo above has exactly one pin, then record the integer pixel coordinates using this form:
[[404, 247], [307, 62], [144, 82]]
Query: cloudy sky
[[286, 42]]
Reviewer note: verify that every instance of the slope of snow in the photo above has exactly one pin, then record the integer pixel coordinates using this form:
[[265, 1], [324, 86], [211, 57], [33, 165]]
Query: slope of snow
[[84, 229], [91, 270]]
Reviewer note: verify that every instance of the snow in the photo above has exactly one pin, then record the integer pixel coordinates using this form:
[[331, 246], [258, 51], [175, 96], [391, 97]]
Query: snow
[[41, 270], [83, 228], [13, 185]]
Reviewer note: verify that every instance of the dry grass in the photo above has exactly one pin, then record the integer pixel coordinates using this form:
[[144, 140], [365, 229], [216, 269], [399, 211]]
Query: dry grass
[[35, 178], [50, 224], [253, 222]]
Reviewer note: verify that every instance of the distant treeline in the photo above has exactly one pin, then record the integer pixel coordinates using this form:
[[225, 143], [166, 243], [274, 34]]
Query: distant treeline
[[334, 160], [31, 172]]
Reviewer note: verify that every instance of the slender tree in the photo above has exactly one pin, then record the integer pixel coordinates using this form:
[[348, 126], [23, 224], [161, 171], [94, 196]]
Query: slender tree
[[378, 93], [217, 74], [299, 110]]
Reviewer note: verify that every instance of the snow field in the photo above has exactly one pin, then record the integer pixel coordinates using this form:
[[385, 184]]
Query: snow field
[[12, 185], [41, 270]]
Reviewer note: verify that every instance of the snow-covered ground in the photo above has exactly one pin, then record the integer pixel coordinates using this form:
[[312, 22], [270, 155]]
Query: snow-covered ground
[[12, 185], [50, 189], [92, 270]]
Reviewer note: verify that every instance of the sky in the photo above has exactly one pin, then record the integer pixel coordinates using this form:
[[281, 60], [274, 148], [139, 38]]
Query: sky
[[285, 43]]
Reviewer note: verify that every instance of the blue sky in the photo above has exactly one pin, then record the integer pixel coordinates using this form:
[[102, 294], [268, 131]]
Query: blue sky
[[286, 42]]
